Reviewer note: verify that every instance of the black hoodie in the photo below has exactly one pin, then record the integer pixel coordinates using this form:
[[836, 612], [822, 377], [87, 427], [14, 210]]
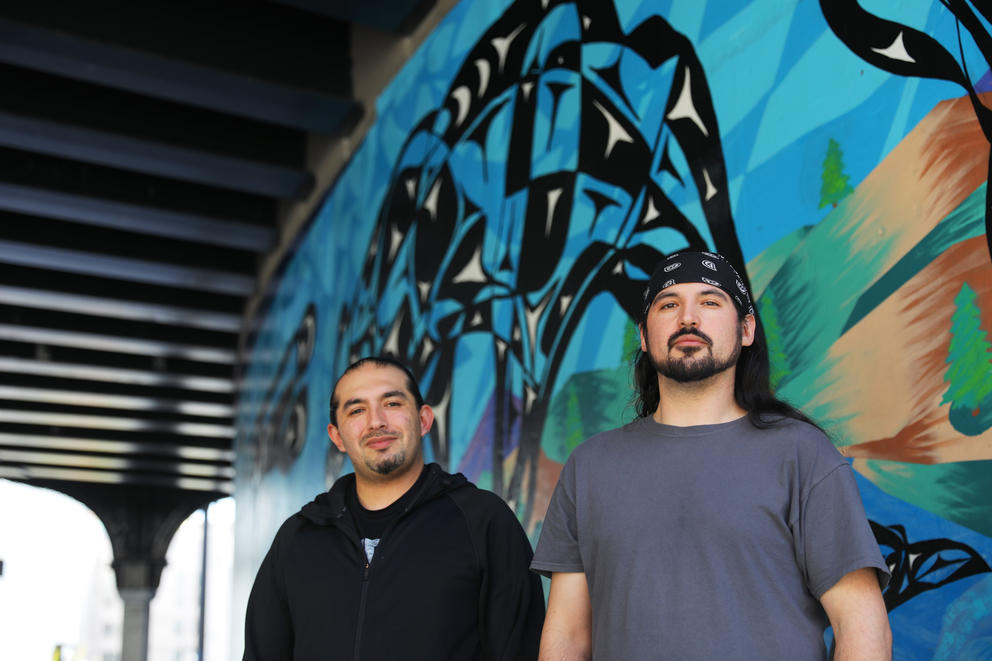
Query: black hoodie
[[449, 580]]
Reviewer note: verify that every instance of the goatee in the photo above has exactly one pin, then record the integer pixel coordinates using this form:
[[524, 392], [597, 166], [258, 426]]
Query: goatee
[[387, 464]]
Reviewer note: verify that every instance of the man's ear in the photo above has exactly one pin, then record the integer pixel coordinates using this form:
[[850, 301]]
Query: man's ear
[[748, 326], [335, 436], [640, 331], [426, 419]]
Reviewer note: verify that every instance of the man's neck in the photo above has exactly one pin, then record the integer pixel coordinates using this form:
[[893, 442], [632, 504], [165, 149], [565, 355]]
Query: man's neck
[[707, 402], [380, 494]]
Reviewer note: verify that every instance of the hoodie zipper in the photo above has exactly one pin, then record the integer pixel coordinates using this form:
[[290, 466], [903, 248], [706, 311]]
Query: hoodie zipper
[[365, 582], [368, 563], [364, 563], [361, 611]]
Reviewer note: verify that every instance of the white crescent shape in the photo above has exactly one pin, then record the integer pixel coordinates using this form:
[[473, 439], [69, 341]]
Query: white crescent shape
[[431, 202], [464, 98], [652, 211], [616, 131], [472, 272], [502, 45], [482, 66], [553, 196], [710, 188], [685, 108], [896, 50]]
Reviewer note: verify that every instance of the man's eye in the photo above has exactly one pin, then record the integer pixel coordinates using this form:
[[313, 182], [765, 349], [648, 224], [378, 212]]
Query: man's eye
[[667, 306], [354, 411]]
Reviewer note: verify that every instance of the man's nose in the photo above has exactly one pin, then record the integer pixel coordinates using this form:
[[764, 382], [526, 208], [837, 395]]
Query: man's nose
[[688, 316], [377, 417]]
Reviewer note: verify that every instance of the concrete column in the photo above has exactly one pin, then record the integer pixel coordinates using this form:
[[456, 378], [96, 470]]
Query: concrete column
[[137, 580], [136, 607], [140, 521]]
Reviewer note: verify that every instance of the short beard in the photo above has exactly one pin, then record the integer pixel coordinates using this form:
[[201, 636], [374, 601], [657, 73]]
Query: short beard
[[689, 369]]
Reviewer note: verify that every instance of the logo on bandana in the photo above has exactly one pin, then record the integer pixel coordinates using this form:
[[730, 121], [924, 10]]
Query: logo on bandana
[[714, 256], [647, 290], [668, 283], [710, 265], [740, 285], [711, 282], [672, 267]]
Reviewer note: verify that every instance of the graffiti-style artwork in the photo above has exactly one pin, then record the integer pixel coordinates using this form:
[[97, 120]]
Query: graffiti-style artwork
[[924, 565], [532, 162], [534, 188], [279, 430]]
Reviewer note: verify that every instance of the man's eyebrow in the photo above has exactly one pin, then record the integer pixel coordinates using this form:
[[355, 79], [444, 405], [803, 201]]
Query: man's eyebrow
[[715, 292], [712, 291], [385, 395], [352, 402]]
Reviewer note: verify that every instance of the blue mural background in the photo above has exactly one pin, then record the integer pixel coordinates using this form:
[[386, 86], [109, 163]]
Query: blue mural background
[[783, 88]]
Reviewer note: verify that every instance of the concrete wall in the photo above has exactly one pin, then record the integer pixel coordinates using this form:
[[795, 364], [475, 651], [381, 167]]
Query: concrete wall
[[527, 168]]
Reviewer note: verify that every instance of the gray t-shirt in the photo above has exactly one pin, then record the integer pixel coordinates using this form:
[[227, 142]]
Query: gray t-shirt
[[707, 542]]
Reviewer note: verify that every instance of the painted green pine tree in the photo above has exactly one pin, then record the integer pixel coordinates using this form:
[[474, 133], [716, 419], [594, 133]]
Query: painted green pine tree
[[631, 341], [573, 432], [835, 187], [969, 372], [777, 358]]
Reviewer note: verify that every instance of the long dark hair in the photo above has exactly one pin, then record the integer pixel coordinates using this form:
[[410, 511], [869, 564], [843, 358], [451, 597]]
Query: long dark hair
[[752, 387]]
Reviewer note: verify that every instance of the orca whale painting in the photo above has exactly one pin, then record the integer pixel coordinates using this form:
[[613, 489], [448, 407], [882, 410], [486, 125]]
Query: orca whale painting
[[534, 160]]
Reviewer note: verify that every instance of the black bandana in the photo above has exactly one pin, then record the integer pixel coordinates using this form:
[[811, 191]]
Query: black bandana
[[707, 267]]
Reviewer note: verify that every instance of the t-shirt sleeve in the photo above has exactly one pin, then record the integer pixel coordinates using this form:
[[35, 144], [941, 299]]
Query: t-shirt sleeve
[[835, 535], [558, 547]]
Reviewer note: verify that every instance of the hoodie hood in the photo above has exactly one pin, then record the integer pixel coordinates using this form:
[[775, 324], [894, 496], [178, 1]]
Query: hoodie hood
[[330, 505]]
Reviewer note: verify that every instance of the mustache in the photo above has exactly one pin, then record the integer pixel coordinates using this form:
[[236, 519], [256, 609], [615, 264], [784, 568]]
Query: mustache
[[688, 331], [378, 433]]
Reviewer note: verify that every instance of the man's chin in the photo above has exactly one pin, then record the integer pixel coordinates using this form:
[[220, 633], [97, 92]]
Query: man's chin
[[690, 377], [386, 465], [691, 371]]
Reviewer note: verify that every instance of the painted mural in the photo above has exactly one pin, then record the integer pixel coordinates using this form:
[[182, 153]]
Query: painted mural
[[531, 163]]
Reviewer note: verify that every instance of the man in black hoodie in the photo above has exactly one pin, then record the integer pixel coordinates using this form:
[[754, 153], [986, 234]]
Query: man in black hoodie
[[398, 560]]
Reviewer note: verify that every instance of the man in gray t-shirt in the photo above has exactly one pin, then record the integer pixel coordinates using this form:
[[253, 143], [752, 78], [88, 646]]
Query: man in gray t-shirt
[[722, 523]]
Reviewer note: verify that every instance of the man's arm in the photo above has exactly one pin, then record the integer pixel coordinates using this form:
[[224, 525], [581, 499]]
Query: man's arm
[[567, 634], [511, 600], [857, 614], [268, 628]]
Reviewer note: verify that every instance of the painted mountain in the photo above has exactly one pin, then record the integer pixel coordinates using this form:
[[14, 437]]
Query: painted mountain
[[881, 316], [879, 319]]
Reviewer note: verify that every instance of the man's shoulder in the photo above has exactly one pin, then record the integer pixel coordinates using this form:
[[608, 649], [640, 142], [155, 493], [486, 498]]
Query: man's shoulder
[[482, 508], [810, 444], [321, 511], [784, 425], [290, 530], [474, 500]]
